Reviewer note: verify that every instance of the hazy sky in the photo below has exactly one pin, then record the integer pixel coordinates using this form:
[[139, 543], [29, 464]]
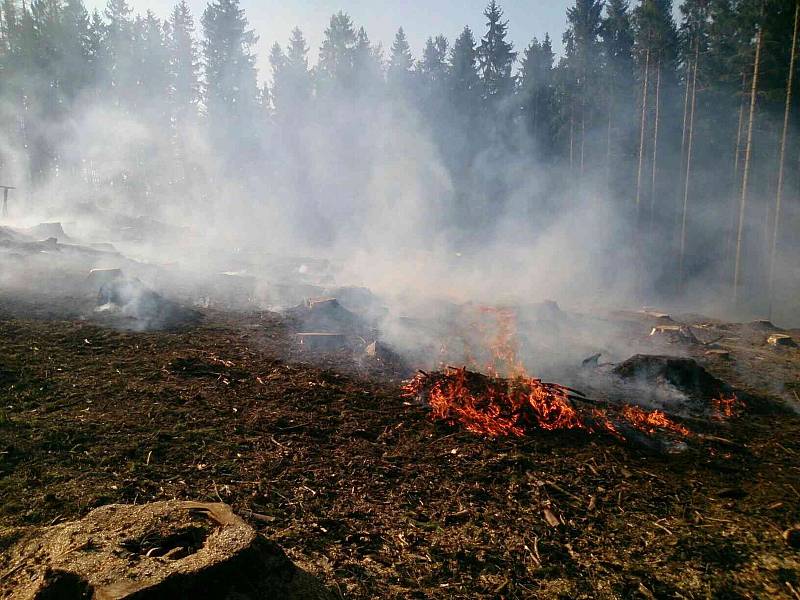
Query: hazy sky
[[274, 19]]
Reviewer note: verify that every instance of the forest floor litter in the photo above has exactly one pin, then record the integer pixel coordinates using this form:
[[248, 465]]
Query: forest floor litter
[[334, 462]]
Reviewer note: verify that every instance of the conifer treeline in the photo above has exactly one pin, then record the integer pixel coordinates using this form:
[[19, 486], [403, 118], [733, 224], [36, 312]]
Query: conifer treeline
[[690, 128]]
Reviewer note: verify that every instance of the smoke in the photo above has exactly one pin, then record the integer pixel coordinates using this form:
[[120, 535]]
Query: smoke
[[367, 185]]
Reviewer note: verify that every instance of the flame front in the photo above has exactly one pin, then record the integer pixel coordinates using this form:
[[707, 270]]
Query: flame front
[[492, 406], [651, 421]]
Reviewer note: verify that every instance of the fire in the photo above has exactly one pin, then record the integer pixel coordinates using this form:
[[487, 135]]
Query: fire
[[651, 421], [503, 345], [727, 408], [493, 406]]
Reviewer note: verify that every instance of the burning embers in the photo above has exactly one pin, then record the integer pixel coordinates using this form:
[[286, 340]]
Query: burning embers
[[496, 407], [492, 406], [518, 404], [725, 408], [651, 421]]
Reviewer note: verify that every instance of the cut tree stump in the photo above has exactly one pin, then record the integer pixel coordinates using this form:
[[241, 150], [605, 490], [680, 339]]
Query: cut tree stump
[[160, 550]]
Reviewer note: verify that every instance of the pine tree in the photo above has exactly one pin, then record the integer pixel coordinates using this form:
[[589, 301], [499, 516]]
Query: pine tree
[[535, 89], [153, 64], [584, 26], [183, 63], [9, 27], [97, 53], [617, 37], [230, 76], [464, 77], [297, 66], [496, 55], [118, 44], [433, 64], [432, 75], [25, 91], [400, 64], [282, 95], [582, 43], [655, 28], [76, 68], [778, 215], [49, 39], [291, 87], [367, 64], [335, 70], [655, 48], [617, 43], [755, 82], [277, 61]]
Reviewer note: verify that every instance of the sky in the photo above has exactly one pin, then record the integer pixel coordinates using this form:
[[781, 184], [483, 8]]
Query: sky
[[273, 20]]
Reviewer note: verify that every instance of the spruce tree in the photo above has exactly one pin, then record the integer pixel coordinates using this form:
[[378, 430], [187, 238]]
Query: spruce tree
[[183, 63], [118, 45], [291, 80], [97, 53], [433, 65], [496, 54], [152, 63], [9, 27], [297, 63], [582, 43], [335, 67], [535, 89], [617, 39], [279, 98], [464, 77], [230, 75], [368, 68], [76, 48], [617, 44], [400, 64], [433, 74], [655, 30]]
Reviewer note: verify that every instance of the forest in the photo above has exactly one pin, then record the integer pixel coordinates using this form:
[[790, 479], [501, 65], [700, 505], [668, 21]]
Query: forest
[[685, 132], [467, 320]]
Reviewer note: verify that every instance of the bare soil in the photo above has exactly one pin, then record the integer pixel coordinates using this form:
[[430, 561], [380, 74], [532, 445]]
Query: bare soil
[[363, 490]]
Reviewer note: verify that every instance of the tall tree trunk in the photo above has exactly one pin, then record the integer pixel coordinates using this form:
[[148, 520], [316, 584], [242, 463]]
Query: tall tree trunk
[[737, 272], [782, 159], [583, 139], [737, 182], [679, 188], [645, 86], [655, 143], [583, 125], [608, 136], [688, 171], [572, 137]]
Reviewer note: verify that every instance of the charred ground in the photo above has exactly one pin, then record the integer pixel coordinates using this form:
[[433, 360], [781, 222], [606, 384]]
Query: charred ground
[[361, 488]]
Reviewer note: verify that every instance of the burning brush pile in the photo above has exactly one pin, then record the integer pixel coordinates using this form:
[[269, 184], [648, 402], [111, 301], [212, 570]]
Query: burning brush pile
[[518, 404], [494, 406]]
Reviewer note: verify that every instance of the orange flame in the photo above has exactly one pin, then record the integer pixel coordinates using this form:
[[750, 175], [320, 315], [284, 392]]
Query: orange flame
[[651, 421], [502, 408], [496, 407], [727, 408], [503, 345]]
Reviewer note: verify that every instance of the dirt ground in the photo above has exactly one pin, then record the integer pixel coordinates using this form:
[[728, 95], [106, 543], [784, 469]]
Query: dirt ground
[[361, 489]]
